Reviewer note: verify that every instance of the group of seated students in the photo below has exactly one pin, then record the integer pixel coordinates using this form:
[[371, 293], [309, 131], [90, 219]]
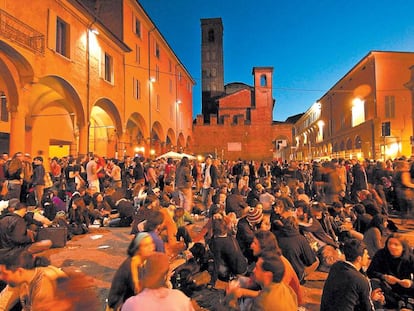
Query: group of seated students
[[265, 246], [286, 243]]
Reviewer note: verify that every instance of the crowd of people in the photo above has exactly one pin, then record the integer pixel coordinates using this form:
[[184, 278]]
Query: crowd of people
[[266, 227]]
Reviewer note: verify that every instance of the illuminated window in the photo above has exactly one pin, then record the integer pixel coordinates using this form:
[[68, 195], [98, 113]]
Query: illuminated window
[[62, 37], [389, 107], [358, 111], [320, 136]]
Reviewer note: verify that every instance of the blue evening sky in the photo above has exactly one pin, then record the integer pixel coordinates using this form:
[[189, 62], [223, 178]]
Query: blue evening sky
[[310, 44]]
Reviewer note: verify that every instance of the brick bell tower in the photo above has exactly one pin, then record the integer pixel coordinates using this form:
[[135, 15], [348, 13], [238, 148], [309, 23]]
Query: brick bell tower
[[212, 68]]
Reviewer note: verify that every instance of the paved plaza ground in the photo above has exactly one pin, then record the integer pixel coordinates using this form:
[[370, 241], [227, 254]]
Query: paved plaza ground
[[99, 253]]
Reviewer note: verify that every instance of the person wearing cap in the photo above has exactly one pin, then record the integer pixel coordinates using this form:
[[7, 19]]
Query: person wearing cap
[[38, 179], [155, 294], [126, 282], [14, 232], [246, 228]]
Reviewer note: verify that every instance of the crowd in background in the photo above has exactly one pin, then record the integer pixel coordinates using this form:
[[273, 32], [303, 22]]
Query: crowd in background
[[267, 225]]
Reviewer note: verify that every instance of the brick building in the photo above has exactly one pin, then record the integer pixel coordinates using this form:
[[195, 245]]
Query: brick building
[[237, 119]]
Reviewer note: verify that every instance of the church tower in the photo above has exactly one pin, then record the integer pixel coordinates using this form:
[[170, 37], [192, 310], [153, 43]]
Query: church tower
[[212, 68]]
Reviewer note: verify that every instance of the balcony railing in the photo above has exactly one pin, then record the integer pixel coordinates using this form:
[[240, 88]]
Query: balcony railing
[[20, 33]]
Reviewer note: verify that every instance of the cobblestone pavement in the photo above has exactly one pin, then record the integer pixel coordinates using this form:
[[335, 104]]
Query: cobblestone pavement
[[99, 253]]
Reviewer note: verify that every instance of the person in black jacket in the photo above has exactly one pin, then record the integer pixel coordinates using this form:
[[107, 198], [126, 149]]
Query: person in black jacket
[[346, 288], [228, 258], [14, 232]]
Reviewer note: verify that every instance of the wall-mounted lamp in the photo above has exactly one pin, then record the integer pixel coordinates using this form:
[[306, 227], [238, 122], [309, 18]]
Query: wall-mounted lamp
[[94, 31]]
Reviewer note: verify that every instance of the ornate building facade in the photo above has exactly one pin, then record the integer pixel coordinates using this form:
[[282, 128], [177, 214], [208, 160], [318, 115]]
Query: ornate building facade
[[82, 76]]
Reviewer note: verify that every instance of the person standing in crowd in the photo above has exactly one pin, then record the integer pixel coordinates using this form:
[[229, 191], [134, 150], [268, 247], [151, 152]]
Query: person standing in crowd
[[27, 176], [346, 288], [196, 173], [114, 172], [38, 179], [210, 181], [183, 183], [404, 188], [92, 174], [152, 177], [14, 174], [138, 175], [360, 180], [55, 169]]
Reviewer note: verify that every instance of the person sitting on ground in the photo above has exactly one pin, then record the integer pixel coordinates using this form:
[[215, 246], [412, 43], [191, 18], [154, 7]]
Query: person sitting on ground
[[152, 226], [236, 203], [78, 217], [346, 288], [363, 218], [15, 234], [124, 217], [393, 267], [373, 237], [296, 249], [245, 231], [228, 258], [265, 242], [267, 199], [316, 224], [126, 282], [182, 218], [37, 285], [275, 295], [154, 292]]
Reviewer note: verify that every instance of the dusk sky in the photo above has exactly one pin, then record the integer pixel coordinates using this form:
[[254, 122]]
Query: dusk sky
[[310, 44]]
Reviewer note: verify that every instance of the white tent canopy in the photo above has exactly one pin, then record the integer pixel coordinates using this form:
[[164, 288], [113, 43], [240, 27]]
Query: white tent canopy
[[176, 156]]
